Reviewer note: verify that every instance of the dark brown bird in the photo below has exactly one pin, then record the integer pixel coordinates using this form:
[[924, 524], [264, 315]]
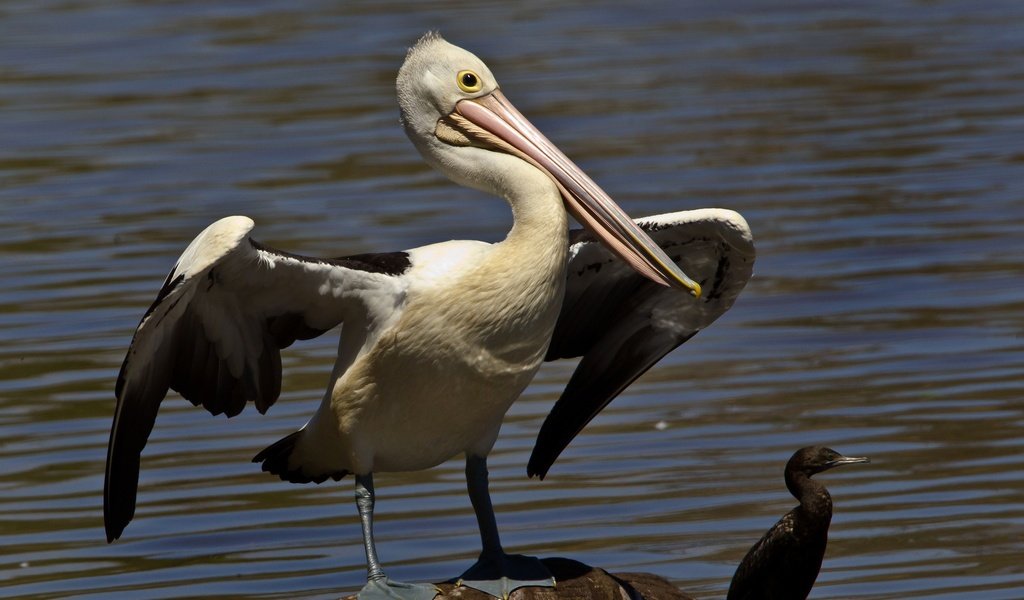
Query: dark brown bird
[[784, 563]]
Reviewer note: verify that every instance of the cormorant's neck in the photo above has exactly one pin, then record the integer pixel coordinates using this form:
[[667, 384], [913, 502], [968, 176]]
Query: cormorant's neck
[[814, 498]]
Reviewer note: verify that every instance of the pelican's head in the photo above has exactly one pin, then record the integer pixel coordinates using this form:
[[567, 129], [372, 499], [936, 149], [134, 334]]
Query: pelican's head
[[463, 125], [434, 77]]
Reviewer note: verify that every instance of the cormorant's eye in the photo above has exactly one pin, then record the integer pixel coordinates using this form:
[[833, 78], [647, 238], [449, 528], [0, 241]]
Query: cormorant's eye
[[468, 81]]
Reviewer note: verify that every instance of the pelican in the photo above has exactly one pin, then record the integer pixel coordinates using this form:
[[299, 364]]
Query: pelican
[[436, 342]]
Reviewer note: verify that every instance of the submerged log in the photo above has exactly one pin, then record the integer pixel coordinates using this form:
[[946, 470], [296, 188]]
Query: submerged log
[[577, 581]]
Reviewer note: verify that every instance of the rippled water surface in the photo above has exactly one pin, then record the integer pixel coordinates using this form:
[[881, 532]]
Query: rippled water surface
[[877, 153]]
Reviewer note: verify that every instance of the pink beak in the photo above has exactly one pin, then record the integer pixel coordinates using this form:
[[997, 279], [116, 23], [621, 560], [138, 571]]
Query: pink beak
[[585, 200]]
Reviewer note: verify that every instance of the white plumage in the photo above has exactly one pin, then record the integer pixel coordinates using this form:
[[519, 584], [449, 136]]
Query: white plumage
[[437, 341]]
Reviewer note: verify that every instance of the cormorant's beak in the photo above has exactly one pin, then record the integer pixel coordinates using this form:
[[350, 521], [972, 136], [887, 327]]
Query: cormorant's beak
[[848, 460], [493, 121]]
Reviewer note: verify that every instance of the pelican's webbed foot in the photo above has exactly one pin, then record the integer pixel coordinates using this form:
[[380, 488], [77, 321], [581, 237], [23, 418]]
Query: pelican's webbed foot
[[501, 574], [386, 589]]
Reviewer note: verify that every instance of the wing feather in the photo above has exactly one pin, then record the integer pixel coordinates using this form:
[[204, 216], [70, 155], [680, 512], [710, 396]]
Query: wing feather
[[216, 329], [622, 324]]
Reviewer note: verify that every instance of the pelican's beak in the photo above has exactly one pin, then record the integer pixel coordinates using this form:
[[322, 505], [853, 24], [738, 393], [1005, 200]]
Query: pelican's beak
[[493, 121]]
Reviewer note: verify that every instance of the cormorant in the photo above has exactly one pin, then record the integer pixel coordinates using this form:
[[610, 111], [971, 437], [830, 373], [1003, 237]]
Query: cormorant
[[784, 563]]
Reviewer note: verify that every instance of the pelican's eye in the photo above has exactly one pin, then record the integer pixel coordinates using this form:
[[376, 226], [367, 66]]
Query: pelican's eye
[[468, 81]]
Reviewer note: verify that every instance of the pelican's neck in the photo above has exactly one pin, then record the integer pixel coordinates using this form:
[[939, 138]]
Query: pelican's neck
[[539, 235], [536, 203], [539, 217], [509, 299], [526, 271]]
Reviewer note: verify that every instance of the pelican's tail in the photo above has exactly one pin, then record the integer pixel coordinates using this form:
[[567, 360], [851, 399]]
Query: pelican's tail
[[276, 458]]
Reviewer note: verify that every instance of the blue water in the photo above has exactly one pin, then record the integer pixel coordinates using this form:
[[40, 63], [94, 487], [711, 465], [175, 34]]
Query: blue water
[[876, 151]]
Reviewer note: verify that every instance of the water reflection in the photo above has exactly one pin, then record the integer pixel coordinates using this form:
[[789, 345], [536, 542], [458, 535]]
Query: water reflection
[[875, 151]]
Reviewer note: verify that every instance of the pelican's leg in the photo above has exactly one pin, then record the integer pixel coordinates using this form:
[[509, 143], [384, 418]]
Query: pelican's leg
[[378, 586], [496, 573]]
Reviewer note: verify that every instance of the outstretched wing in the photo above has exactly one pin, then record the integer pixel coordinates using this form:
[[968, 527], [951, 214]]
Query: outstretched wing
[[215, 331], [622, 323]]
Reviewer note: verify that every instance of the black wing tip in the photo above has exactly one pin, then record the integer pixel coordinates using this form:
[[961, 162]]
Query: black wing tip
[[114, 531], [536, 471], [543, 458], [116, 516], [560, 428], [120, 485], [275, 461]]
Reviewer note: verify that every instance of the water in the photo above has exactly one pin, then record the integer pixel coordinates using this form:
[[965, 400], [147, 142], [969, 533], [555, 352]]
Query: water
[[876, 152]]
